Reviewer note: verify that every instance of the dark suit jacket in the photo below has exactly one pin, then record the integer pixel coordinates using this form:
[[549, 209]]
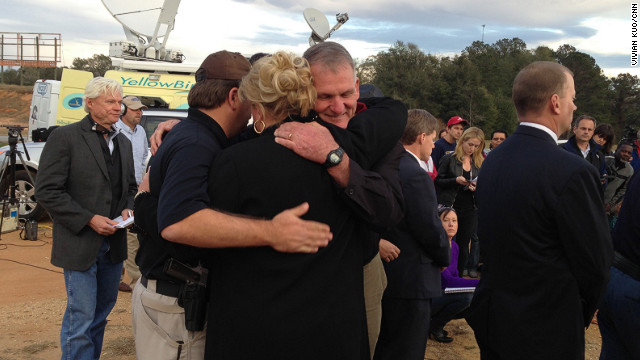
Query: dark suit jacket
[[73, 185], [424, 246], [546, 247]]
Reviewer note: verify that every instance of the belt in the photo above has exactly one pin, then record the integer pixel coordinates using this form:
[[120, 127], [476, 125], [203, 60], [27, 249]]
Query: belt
[[164, 287], [626, 266]]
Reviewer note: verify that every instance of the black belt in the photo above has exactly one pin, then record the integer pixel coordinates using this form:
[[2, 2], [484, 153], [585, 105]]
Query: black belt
[[626, 266], [164, 287]]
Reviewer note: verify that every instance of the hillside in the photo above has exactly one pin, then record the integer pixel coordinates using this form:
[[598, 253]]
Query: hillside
[[14, 105]]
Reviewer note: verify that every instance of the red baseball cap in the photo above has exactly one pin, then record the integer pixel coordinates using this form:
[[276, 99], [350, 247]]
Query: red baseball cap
[[456, 120]]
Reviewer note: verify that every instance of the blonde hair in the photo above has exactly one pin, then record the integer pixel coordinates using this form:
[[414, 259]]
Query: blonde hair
[[280, 85], [471, 133], [100, 86]]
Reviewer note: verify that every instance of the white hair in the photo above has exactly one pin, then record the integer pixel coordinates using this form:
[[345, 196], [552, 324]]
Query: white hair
[[100, 86]]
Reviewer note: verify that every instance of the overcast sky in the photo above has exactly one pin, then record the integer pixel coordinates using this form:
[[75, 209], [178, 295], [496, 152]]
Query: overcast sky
[[603, 29]]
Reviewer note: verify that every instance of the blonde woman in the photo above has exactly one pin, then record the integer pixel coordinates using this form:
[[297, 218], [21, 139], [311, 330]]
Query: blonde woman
[[271, 304], [456, 184]]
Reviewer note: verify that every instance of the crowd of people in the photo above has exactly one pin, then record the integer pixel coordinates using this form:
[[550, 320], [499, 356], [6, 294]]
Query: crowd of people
[[335, 226]]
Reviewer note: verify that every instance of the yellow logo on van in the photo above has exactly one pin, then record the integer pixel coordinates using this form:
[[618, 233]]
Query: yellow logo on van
[[73, 101], [144, 81]]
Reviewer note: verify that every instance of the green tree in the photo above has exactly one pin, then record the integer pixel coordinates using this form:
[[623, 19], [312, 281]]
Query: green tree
[[406, 73], [592, 87], [98, 64], [625, 90], [543, 53], [465, 95]]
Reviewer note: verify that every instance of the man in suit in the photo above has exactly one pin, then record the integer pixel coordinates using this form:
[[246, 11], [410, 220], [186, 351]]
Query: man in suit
[[543, 232], [582, 144], [86, 179], [414, 276]]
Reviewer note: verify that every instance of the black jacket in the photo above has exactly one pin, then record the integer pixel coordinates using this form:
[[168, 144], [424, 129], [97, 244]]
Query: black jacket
[[446, 186], [546, 247], [595, 156]]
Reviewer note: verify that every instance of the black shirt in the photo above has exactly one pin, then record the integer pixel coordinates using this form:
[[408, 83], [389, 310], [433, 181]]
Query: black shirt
[[178, 182]]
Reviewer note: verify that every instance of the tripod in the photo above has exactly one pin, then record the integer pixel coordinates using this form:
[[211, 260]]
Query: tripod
[[9, 161]]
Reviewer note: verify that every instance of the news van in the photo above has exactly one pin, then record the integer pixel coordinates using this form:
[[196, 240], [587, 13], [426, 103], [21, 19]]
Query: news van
[[56, 103]]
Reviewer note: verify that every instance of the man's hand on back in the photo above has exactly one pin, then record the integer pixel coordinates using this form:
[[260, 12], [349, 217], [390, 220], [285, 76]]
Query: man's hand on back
[[163, 128], [293, 235]]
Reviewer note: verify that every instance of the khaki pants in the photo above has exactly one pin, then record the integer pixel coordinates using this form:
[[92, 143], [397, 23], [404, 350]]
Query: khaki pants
[[375, 281], [158, 327], [130, 262]]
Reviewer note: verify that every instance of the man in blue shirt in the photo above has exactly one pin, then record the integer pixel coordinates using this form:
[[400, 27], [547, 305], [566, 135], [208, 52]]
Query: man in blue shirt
[[129, 125]]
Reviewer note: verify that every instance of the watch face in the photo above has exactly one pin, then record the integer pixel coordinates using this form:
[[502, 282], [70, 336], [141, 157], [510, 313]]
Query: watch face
[[334, 158]]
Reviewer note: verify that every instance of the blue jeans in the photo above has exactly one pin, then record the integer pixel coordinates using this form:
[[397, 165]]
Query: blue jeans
[[91, 295], [619, 317], [448, 307]]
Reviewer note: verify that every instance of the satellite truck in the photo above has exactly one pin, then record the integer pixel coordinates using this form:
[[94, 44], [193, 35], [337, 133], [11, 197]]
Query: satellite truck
[[144, 67]]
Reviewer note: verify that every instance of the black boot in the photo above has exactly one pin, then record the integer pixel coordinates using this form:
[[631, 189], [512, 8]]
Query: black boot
[[440, 335]]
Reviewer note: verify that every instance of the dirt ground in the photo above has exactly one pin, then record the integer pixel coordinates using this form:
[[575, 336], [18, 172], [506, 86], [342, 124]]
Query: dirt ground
[[33, 302], [14, 105]]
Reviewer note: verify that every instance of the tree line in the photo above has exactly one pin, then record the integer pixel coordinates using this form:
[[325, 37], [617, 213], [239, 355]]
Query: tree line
[[476, 84], [98, 64]]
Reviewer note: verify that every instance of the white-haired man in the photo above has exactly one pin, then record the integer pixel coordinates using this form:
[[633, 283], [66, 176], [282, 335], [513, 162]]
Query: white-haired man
[[85, 180]]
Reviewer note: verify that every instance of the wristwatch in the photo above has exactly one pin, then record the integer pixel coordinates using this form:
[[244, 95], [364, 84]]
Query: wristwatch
[[334, 157]]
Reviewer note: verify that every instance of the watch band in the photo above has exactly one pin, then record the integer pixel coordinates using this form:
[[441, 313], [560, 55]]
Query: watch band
[[334, 157]]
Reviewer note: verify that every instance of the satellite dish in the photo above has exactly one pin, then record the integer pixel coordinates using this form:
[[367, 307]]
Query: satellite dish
[[317, 22], [319, 25], [147, 23]]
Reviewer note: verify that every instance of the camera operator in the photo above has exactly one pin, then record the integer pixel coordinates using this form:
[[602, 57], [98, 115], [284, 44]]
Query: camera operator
[[129, 126]]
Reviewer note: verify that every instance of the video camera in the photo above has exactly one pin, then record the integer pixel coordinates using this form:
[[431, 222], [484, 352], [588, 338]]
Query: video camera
[[14, 132]]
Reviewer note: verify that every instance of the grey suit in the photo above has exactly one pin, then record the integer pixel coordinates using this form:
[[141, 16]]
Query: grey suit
[[73, 185]]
